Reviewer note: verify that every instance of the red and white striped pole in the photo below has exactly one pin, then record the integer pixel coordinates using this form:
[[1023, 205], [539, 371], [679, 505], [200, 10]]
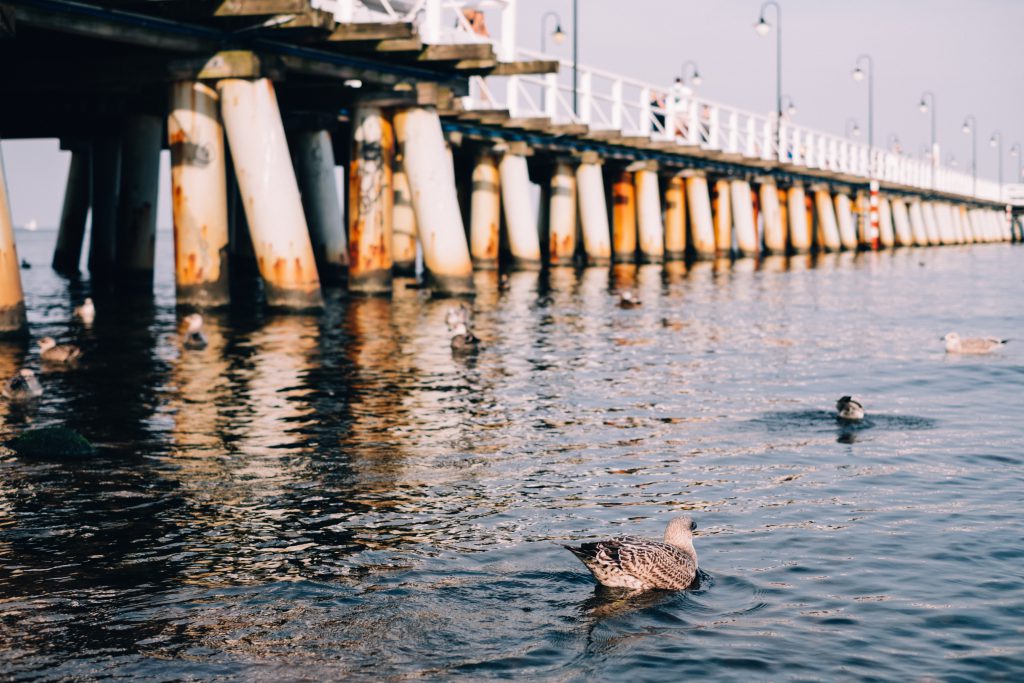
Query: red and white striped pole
[[874, 232]]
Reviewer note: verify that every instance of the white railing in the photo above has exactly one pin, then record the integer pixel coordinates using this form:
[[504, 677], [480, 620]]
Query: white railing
[[606, 101]]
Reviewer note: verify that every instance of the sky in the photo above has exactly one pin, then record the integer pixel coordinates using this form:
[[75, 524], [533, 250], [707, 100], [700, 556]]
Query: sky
[[970, 53]]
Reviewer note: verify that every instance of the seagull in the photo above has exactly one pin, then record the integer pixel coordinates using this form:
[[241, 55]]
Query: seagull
[[52, 352], [23, 386], [626, 300], [849, 409], [194, 337], [86, 312], [642, 564], [954, 344]]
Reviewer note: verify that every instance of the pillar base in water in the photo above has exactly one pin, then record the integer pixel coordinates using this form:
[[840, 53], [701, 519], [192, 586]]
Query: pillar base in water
[[371, 282], [404, 268], [485, 264], [525, 264], [671, 255], [281, 297], [13, 320], [446, 285], [562, 261], [598, 260], [650, 258], [623, 258]]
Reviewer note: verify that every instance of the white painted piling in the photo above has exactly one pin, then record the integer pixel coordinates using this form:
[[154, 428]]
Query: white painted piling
[[313, 157], [199, 204], [12, 297], [485, 210], [958, 226], [371, 202], [931, 223], [965, 224], [675, 219], [520, 218], [270, 192], [723, 218], [140, 183], [562, 215], [403, 225], [623, 218], [901, 221], [702, 227], [799, 226], [68, 252], [887, 235], [593, 212], [743, 218], [944, 222], [106, 174], [847, 231], [774, 221], [828, 230], [917, 226], [428, 164], [650, 228]]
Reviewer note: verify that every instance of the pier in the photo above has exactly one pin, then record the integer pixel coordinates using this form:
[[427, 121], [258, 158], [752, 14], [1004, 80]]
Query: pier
[[445, 136]]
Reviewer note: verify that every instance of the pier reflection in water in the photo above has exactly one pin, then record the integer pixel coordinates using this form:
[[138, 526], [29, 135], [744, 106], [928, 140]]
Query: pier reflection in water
[[338, 496]]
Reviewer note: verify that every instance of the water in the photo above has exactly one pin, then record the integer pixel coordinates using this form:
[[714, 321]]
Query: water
[[336, 497]]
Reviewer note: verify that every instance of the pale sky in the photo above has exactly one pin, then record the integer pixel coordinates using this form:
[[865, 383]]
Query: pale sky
[[969, 52]]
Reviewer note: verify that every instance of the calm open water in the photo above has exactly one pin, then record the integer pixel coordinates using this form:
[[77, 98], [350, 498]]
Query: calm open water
[[335, 497]]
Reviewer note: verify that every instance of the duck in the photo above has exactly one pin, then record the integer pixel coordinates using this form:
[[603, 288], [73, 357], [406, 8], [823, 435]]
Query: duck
[[643, 564], [86, 312], [23, 386], [52, 352], [849, 409], [975, 346], [670, 324], [458, 315], [194, 337], [627, 300], [25, 265], [463, 340]]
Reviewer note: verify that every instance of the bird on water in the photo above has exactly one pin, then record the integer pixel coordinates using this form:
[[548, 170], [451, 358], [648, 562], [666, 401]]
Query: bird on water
[[643, 564], [194, 337], [850, 409], [975, 346], [86, 312], [627, 300], [23, 386], [52, 352], [460, 325]]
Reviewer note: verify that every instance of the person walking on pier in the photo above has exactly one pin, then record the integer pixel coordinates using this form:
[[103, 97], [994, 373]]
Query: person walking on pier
[[681, 94]]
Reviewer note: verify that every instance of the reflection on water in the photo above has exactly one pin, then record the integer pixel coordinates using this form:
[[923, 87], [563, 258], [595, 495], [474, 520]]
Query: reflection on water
[[339, 494]]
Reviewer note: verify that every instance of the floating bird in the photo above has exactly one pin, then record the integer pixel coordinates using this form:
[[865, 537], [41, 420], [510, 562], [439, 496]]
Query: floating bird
[[849, 409], [627, 300], [464, 341], [503, 284], [194, 337], [25, 265], [52, 352], [670, 324], [23, 386], [642, 564], [86, 312], [954, 344], [459, 315]]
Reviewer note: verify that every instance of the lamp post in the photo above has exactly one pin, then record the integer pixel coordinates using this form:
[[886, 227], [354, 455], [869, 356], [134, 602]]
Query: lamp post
[[997, 141], [854, 130], [1016, 151], [971, 127], [858, 75], [557, 35], [928, 104], [763, 27], [693, 78], [575, 60]]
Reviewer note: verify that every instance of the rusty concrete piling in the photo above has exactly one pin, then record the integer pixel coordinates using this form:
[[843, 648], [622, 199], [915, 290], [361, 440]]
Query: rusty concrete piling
[[371, 202], [593, 211], [12, 297], [675, 218], [73, 216], [744, 222], [520, 219], [106, 184], [562, 214], [135, 244], [313, 158], [403, 223], [650, 223], [485, 210], [623, 196]]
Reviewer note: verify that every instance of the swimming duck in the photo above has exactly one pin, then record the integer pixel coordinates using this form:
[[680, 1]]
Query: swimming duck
[[954, 344], [642, 564], [463, 340], [194, 337], [25, 265], [23, 386], [52, 352], [459, 315], [849, 409], [627, 300], [86, 312]]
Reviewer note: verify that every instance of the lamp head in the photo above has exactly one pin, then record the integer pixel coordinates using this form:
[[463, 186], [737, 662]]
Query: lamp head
[[696, 79], [992, 141], [858, 74], [762, 27], [967, 127], [791, 109], [559, 35], [923, 107]]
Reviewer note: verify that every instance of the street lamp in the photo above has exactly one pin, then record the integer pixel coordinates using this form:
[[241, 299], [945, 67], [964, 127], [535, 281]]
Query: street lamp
[[952, 161], [1016, 151], [858, 75], [694, 78], [790, 106], [997, 141], [763, 28], [575, 60], [893, 143], [557, 35], [971, 127], [852, 131], [928, 103]]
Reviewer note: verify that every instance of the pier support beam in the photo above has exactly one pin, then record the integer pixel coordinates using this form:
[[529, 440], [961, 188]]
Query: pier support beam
[[68, 252], [723, 218], [675, 219], [702, 226], [520, 218], [485, 211], [198, 195], [623, 218], [917, 226], [403, 227], [593, 212], [371, 202], [944, 218], [650, 228], [958, 227], [799, 226], [562, 215], [313, 158], [847, 231], [106, 183], [931, 224], [774, 223], [431, 172], [140, 183], [828, 230], [901, 221], [965, 224], [12, 298], [270, 192], [886, 234], [743, 218]]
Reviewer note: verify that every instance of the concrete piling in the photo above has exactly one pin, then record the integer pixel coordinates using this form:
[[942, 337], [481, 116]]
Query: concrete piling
[[965, 224], [403, 223], [485, 210], [12, 298], [106, 182], [270, 192], [140, 182], [723, 218], [313, 158], [847, 231], [675, 219], [562, 215], [520, 219], [917, 224], [702, 226], [198, 195], [623, 218], [428, 164], [828, 230], [774, 223], [593, 211], [743, 218], [68, 252], [371, 199], [901, 222], [650, 227], [931, 224], [799, 227], [886, 234]]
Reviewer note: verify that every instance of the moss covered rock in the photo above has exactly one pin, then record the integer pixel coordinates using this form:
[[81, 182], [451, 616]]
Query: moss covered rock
[[51, 442]]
